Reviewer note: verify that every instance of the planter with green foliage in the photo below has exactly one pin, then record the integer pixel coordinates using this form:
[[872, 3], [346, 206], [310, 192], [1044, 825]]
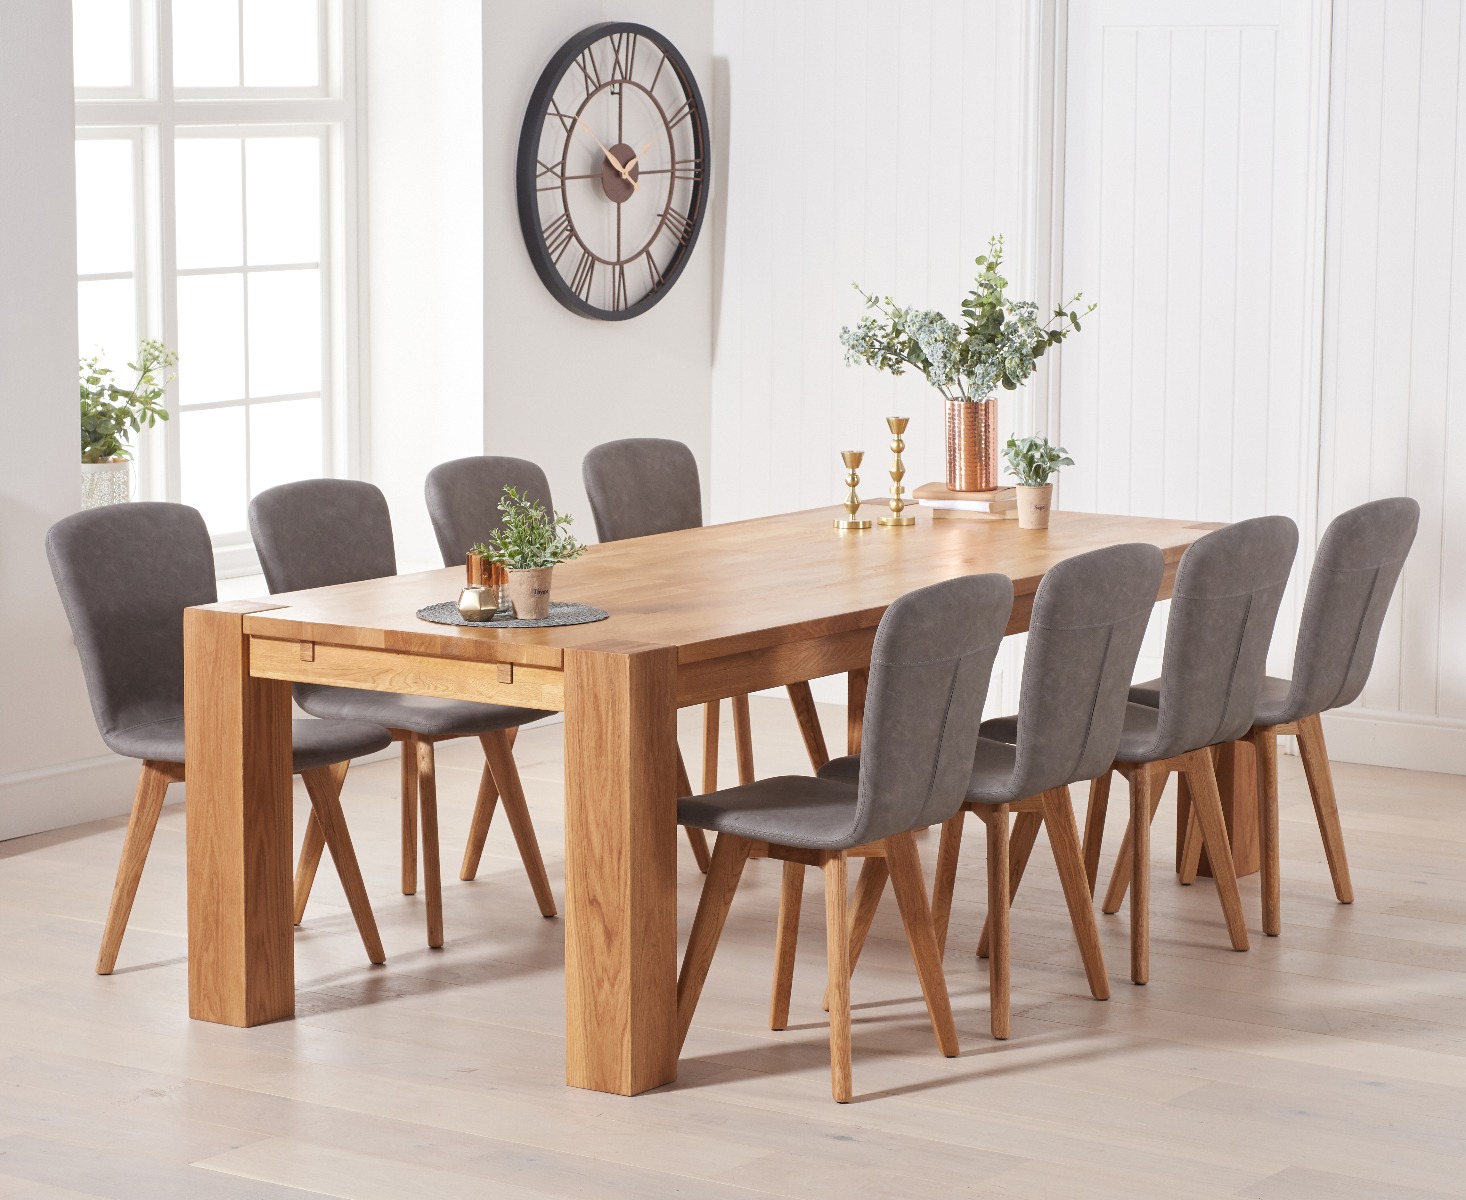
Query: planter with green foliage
[[111, 415], [1034, 461], [529, 543]]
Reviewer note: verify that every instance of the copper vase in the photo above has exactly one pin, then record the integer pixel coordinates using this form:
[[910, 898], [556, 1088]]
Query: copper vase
[[972, 445]]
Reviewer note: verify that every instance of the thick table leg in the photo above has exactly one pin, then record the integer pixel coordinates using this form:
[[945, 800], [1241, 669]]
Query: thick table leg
[[620, 869], [241, 964], [1237, 782]]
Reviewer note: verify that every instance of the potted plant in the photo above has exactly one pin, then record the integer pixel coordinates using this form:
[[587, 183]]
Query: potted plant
[[110, 415], [1034, 461], [995, 343], [529, 544]]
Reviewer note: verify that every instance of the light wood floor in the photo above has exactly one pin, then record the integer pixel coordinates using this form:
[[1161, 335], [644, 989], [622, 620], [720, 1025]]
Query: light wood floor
[[1330, 1062]]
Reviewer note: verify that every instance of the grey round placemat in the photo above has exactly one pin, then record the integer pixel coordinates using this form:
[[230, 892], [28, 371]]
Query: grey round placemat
[[561, 613]]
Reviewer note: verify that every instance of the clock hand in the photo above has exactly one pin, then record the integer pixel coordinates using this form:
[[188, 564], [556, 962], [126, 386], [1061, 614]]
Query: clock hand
[[637, 157], [611, 158]]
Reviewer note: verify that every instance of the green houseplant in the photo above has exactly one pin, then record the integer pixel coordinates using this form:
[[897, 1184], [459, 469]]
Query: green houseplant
[[1034, 461], [529, 543], [995, 343], [112, 414]]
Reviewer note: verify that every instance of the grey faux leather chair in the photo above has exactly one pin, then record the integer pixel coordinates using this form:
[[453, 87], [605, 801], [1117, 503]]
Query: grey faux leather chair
[[322, 532], [1355, 572], [930, 665], [125, 574], [1223, 608], [642, 486]]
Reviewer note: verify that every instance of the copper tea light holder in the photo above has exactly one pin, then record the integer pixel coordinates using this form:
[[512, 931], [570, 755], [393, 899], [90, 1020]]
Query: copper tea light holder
[[897, 517], [852, 460]]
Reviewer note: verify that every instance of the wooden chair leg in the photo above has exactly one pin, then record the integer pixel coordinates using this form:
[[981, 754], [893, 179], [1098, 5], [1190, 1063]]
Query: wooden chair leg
[[786, 941], [305, 868], [696, 838], [1206, 803], [999, 963], [743, 739], [409, 815], [1141, 809], [323, 784], [499, 757], [1058, 818], [907, 882], [1025, 832], [729, 855], [147, 803], [711, 718], [945, 883], [809, 724], [1120, 878], [1265, 743], [483, 815], [869, 887], [837, 950], [1190, 842], [1094, 827], [1315, 757], [427, 803]]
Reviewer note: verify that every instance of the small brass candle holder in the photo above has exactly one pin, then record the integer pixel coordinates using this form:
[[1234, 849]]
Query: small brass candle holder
[[897, 426], [851, 459]]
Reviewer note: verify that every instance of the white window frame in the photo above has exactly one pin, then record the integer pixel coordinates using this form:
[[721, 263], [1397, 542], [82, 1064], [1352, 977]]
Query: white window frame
[[153, 114]]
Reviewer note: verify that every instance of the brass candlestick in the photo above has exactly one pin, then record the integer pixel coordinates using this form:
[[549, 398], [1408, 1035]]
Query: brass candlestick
[[897, 426], [851, 459]]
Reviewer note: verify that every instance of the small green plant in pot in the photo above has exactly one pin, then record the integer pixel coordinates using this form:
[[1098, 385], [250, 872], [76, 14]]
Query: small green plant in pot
[[111, 414], [529, 544], [1033, 462]]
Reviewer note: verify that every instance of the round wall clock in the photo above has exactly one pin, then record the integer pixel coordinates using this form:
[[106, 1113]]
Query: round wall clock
[[613, 170]]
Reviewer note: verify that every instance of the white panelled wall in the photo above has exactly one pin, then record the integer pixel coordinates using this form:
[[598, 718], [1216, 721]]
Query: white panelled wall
[[1261, 194]]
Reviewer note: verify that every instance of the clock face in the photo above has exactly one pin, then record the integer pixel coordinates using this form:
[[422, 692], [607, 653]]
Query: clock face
[[613, 170]]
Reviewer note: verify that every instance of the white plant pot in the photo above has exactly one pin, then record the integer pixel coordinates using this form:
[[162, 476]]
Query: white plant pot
[[106, 483]]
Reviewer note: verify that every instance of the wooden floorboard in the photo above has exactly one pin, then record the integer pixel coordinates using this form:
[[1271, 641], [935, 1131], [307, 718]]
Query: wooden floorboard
[[1330, 1062]]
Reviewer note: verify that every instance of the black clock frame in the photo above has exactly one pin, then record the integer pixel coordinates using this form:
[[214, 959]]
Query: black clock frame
[[528, 157]]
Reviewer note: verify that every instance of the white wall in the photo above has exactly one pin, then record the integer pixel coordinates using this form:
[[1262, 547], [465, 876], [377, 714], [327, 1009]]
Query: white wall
[[422, 84], [55, 769], [548, 392]]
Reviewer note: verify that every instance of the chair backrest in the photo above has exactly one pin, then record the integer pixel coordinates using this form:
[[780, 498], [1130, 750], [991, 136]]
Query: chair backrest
[[1354, 575], [929, 671], [320, 532], [641, 486], [1223, 609], [1089, 618], [463, 499], [126, 573]]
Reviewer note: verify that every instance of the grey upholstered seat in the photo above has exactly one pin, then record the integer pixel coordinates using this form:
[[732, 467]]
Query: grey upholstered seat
[[125, 574], [641, 486], [321, 532], [929, 670], [127, 618], [463, 498]]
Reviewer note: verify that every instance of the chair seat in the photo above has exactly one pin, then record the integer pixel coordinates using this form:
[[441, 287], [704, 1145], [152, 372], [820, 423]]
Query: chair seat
[[315, 743], [426, 715], [1138, 738], [788, 810], [992, 768], [1272, 700]]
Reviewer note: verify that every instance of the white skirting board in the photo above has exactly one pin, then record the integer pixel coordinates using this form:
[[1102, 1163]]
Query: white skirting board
[[1392, 739]]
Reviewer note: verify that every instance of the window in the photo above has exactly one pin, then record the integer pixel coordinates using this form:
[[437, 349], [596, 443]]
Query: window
[[215, 192]]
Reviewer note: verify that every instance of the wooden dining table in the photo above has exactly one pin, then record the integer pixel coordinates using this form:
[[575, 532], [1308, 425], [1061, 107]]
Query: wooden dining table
[[695, 615]]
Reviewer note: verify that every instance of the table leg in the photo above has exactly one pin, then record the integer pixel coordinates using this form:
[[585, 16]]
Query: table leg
[[621, 1031], [1236, 765], [241, 962]]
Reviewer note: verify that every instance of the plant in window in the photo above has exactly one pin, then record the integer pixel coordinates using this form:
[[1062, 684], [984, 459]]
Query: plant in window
[[529, 544], [111, 414]]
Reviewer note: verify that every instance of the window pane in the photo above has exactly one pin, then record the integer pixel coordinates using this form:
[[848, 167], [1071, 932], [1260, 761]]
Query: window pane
[[104, 192], [205, 43], [101, 43], [210, 338], [284, 443], [283, 199], [107, 320], [284, 332], [280, 43], [209, 226], [211, 453]]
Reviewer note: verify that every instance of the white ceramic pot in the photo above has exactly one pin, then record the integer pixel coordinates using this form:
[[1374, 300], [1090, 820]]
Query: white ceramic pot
[[106, 483], [529, 593], [1033, 506]]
